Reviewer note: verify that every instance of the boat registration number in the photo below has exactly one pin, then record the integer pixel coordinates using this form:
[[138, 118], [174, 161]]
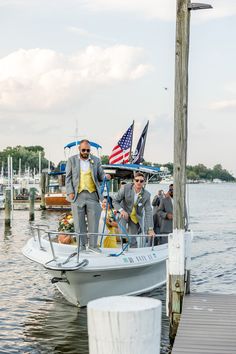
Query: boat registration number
[[139, 259]]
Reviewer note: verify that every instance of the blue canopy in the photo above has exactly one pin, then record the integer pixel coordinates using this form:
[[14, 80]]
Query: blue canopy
[[75, 143]]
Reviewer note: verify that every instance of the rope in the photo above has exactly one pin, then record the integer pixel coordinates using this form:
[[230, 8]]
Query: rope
[[105, 184]]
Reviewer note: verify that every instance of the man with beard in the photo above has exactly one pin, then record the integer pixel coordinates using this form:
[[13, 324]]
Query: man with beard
[[84, 173]]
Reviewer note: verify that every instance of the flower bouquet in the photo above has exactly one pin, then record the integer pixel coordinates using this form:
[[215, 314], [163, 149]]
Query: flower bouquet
[[66, 223]]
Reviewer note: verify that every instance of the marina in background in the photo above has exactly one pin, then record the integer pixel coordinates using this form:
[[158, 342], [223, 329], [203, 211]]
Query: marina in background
[[44, 314]]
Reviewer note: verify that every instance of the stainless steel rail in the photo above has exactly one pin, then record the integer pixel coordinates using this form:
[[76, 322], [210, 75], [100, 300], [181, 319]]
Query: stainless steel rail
[[42, 228]]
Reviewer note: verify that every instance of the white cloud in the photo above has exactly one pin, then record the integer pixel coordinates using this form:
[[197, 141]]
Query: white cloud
[[151, 9], [223, 105], [89, 35], [162, 9], [226, 104], [80, 31], [40, 79]]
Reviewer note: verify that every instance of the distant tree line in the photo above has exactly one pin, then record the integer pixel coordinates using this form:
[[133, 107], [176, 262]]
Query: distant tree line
[[194, 173], [28, 155], [201, 172]]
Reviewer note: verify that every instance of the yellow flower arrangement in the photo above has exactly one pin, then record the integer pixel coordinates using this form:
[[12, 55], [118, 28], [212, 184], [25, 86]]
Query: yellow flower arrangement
[[66, 223]]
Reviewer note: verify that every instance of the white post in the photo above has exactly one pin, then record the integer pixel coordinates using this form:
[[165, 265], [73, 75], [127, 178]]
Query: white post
[[19, 172], [40, 164], [8, 172], [124, 325], [11, 184]]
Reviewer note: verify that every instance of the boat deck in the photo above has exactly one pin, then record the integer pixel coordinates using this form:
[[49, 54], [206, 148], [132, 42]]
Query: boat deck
[[207, 325]]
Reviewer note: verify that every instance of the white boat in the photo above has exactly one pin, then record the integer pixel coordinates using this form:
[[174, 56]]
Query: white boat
[[167, 180], [82, 276]]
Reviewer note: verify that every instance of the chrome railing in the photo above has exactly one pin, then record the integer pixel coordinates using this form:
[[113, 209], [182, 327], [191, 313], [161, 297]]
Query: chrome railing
[[44, 231]]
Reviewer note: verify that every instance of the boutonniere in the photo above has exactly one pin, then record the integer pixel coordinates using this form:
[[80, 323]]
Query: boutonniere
[[91, 161]]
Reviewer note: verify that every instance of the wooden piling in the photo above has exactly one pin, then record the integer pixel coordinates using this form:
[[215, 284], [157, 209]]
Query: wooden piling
[[176, 277], [43, 190], [8, 206], [124, 324], [31, 204]]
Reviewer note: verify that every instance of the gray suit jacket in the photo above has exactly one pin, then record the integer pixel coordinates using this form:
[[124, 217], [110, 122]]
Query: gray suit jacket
[[73, 175], [125, 199], [165, 207]]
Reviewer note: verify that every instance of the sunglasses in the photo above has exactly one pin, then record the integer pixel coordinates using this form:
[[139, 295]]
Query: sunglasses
[[85, 150], [139, 180]]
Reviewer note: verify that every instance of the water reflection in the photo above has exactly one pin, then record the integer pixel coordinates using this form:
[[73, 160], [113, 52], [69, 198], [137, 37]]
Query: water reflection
[[34, 317], [59, 328]]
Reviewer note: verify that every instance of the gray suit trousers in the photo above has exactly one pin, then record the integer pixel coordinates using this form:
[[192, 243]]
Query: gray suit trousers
[[87, 204], [133, 229]]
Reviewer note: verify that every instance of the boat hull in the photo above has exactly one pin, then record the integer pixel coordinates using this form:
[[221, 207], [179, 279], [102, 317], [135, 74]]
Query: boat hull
[[56, 200], [96, 275], [84, 286]]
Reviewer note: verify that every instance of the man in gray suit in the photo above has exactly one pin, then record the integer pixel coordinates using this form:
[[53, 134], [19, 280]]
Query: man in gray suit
[[83, 174], [165, 213], [133, 203]]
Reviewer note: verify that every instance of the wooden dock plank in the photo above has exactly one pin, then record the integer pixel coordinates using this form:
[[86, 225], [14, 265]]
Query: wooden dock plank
[[207, 325]]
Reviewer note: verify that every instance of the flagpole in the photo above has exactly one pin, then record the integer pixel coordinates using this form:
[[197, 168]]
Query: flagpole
[[147, 125], [131, 142]]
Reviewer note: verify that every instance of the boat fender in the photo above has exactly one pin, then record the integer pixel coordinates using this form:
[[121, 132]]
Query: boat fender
[[59, 280]]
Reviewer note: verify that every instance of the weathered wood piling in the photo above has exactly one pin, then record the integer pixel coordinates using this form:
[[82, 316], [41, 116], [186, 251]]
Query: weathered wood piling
[[43, 182], [8, 206], [31, 203], [176, 280], [179, 249]]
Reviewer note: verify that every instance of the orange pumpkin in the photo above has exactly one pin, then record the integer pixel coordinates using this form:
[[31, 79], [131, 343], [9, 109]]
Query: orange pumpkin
[[66, 239]]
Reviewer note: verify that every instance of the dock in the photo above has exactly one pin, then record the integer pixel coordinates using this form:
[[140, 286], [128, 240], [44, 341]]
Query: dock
[[207, 325]]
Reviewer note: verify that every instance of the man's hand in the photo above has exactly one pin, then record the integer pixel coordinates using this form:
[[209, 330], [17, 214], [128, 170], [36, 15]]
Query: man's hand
[[108, 176], [71, 196], [124, 215], [169, 216]]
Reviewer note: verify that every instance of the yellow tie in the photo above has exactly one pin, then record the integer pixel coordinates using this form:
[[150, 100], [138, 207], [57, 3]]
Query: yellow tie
[[133, 215]]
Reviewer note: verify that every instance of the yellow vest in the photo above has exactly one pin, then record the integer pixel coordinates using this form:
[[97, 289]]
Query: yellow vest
[[133, 216], [86, 182]]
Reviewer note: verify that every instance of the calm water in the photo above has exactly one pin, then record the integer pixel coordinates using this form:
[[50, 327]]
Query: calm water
[[34, 318]]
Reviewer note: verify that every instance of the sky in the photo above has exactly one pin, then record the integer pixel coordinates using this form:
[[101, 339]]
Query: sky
[[94, 66]]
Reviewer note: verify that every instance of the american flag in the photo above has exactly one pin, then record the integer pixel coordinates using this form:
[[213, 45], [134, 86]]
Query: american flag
[[121, 152]]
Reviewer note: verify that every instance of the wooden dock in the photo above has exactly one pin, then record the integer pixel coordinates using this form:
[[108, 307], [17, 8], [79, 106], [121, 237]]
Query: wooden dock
[[207, 325]]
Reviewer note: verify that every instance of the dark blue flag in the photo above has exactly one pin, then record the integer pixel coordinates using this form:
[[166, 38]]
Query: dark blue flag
[[139, 151]]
